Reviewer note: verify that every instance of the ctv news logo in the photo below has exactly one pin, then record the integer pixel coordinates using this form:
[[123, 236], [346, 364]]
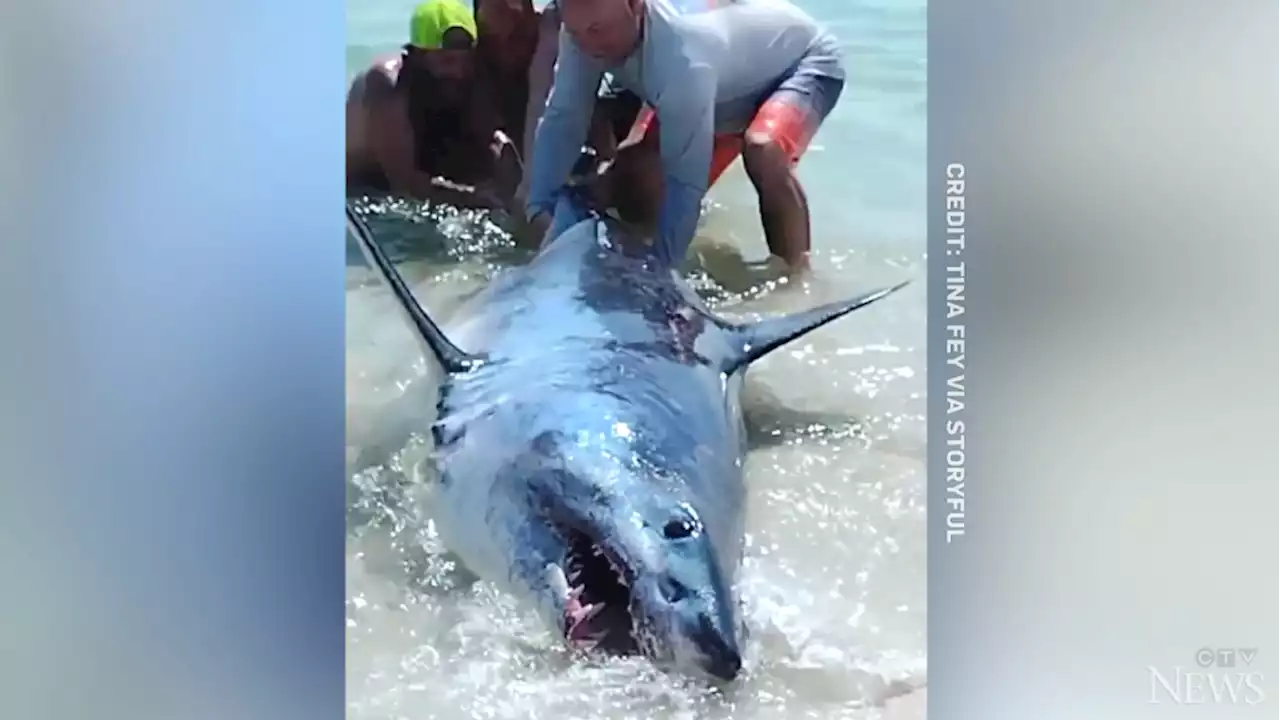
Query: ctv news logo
[[1219, 676]]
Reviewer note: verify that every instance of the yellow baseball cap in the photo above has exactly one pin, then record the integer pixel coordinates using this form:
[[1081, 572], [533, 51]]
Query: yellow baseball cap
[[433, 18]]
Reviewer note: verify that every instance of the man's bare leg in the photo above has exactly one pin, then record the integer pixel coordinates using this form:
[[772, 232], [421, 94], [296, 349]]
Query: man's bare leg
[[772, 146], [784, 207]]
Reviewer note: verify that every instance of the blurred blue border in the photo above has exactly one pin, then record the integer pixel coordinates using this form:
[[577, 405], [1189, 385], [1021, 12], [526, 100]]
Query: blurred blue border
[[173, 439]]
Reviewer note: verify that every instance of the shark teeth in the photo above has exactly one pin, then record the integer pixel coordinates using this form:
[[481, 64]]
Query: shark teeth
[[556, 579], [586, 583], [598, 552], [583, 613], [577, 615], [578, 630], [589, 643], [579, 633]]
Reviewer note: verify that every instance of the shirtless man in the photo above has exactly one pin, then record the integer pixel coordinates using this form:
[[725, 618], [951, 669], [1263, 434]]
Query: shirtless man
[[749, 77], [458, 107], [424, 123]]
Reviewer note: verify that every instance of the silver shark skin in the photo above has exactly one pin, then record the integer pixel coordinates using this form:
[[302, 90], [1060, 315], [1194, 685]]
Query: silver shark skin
[[590, 444]]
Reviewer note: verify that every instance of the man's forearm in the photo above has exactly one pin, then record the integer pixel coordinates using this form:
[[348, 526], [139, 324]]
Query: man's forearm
[[556, 151], [684, 186], [678, 220], [541, 72], [424, 187], [686, 126], [563, 128], [458, 197]]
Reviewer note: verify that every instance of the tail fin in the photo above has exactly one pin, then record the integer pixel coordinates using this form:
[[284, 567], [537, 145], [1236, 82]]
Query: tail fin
[[761, 338], [433, 339]]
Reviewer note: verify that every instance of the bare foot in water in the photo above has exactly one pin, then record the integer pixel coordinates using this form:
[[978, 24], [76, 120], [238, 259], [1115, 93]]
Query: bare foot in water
[[725, 263]]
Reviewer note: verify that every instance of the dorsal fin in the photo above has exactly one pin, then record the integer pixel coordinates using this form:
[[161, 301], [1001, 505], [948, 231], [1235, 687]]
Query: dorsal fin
[[755, 340], [433, 339]]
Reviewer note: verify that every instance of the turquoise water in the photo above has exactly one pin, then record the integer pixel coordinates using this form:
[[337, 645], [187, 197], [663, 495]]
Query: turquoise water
[[835, 578]]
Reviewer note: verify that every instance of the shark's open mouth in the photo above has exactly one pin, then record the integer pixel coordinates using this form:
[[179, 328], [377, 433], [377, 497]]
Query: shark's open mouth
[[598, 606]]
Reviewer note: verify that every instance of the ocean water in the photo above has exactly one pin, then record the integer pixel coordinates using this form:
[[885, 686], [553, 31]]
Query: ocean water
[[835, 577]]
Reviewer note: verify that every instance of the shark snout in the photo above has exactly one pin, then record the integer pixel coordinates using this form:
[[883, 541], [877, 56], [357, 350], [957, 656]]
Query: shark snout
[[721, 657], [709, 641]]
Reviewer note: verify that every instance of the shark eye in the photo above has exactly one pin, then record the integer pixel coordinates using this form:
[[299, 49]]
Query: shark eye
[[679, 528]]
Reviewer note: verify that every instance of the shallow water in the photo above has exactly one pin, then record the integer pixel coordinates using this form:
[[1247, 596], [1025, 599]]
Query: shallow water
[[835, 577]]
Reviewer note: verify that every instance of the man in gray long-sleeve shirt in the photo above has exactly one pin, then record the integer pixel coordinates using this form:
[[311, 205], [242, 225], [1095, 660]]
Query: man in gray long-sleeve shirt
[[751, 76]]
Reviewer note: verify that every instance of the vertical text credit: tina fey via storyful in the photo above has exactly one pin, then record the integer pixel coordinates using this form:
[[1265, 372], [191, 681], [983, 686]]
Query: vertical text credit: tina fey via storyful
[[954, 352]]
